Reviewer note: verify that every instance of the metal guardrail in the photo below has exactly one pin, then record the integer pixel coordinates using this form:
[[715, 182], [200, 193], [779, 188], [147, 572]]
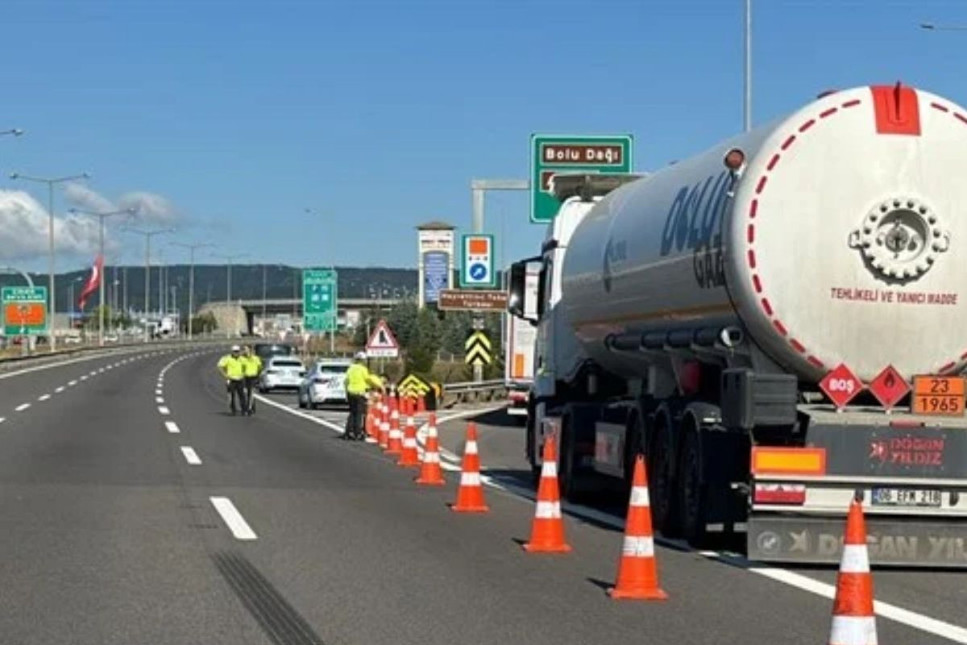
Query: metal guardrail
[[39, 358], [473, 392]]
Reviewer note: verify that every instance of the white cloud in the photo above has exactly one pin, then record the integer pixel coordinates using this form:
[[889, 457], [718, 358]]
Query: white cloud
[[87, 199], [151, 208], [24, 229]]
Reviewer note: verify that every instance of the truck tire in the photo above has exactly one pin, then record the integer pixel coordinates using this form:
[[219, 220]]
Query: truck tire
[[529, 447], [662, 482], [693, 485], [570, 481]]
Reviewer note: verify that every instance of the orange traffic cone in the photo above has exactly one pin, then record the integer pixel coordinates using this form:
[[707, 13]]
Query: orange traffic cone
[[395, 444], [430, 472], [409, 458], [547, 530], [637, 569], [420, 404], [382, 437], [371, 423], [853, 619], [470, 497]]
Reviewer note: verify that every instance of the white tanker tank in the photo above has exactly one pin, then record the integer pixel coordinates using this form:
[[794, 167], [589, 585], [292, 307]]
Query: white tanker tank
[[840, 238]]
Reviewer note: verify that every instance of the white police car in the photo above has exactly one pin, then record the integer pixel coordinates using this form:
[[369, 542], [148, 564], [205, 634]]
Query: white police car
[[324, 383]]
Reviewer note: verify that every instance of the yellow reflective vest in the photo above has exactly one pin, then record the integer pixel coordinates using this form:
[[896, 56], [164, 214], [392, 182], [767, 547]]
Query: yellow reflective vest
[[358, 379], [232, 367], [252, 365]]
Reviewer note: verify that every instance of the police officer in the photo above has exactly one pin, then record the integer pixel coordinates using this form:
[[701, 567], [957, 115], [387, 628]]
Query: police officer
[[233, 370], [253, 367], [358, 382]]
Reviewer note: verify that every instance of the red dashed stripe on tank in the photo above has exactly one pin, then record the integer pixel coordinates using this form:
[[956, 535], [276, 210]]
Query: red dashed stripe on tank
[[750, 230], [757, 284]]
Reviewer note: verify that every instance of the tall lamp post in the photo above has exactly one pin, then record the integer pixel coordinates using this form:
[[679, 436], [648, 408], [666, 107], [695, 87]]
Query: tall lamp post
[[101, 217], [747, 103], [230, 258], [191, 277], [147, 268], [50, 181]]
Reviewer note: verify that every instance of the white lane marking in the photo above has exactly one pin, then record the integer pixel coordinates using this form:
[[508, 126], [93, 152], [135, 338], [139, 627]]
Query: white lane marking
[[159, 392], [163, 410], [913, 619], [2, 419], [191, 456], [83, 377], [72, 384], [93, 373], [172, 427], [43, 397], [109, 367], [158, 399], [59, 390], [22, 407], [230, 515]]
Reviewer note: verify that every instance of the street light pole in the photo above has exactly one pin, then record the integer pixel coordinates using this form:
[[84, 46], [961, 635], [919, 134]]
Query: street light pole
[[101, 217], [228, 295], [147, 269], [191, 278], [747, 111], [50, 181]]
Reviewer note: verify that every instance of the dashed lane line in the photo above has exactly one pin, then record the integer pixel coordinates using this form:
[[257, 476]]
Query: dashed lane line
[[163, 410], [230, 515], [21, 407], [191, 456], [72, 384], [158, 399], [43, 397], [59, 390], [172, 427]]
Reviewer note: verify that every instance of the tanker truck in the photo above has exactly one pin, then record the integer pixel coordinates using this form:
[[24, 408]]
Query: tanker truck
[[777, 324]]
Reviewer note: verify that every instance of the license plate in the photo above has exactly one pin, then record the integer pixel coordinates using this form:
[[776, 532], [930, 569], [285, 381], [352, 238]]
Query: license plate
[[905, 497]]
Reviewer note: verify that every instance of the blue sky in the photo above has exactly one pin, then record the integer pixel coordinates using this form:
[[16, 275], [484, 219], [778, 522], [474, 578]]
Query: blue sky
[[377, 114]]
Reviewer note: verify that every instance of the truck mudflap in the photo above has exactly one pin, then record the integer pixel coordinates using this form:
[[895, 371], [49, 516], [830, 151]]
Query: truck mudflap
[[895, 541]]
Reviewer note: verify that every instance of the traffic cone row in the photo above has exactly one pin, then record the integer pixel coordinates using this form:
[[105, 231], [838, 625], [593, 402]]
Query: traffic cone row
[[853, 621]]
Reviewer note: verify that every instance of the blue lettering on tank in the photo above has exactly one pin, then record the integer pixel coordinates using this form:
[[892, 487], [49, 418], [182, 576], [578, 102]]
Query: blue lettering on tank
[[695, 213]]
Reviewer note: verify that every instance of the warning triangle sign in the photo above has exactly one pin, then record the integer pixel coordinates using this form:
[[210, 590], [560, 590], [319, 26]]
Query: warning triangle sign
[[381, 342]]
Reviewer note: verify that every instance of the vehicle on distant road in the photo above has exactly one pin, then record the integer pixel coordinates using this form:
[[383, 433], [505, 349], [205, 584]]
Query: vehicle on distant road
[[324, 383], [281, 373], [267, 350]]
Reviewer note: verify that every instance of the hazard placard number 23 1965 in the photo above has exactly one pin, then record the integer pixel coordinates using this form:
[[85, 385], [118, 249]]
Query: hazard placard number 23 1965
[[938, 395]]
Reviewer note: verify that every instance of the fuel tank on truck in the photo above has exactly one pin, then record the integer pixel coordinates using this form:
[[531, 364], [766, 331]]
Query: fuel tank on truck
[[841, 238]]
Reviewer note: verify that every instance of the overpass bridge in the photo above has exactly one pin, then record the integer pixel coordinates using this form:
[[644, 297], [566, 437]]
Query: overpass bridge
[[243, 315]]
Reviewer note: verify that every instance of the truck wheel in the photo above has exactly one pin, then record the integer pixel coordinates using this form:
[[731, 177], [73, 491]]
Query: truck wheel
[[662, 484], [634, 445], [693, 488], [531, 450], [568, 479]]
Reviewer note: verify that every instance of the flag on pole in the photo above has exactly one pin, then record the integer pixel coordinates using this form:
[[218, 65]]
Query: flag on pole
[[93, 282]]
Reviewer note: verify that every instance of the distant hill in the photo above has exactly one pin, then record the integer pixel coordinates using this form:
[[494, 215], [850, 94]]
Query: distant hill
[[281, 281]]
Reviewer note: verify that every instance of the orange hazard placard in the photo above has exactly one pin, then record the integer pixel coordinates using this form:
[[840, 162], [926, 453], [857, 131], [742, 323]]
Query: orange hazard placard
[[938, 395], [25, 314]]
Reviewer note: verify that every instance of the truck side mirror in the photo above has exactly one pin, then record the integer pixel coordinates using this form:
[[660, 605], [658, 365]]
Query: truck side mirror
[[516, 295], [523, 297]]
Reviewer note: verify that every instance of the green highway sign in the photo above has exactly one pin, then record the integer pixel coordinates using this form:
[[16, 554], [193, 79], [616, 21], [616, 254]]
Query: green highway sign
[[24, 310], [319, 299], [570, 153]]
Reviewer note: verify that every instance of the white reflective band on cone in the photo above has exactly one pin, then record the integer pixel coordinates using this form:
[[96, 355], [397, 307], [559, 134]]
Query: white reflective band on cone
[[855, 559], [470, 479], [431, 457], [638, 547], [639, 496], [549, 469], [471, 448], [548, 510], [853, 630], [409, 442]]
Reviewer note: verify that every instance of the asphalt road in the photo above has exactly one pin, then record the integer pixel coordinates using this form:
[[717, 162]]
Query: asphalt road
[[126, 519]]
